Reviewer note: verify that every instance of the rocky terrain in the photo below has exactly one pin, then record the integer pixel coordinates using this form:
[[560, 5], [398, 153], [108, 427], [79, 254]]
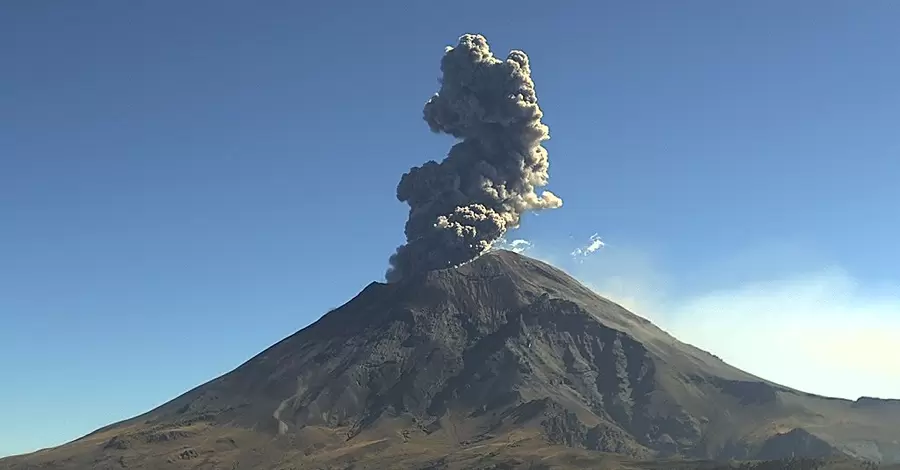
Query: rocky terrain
[[505, 362]]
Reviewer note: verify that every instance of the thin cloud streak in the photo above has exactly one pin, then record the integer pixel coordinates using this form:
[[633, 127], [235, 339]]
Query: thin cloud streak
[[518, 245], [594, 244]]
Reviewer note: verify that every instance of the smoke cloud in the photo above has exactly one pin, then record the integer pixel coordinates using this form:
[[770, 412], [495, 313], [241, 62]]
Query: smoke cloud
[[459, 207]]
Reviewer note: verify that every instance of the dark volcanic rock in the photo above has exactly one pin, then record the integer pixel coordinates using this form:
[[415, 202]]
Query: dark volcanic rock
[[864, 402], [748, 392], [503, 349], [795, 443]]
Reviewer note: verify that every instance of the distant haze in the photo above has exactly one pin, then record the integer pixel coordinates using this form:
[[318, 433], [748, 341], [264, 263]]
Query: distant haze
[[817, 330]]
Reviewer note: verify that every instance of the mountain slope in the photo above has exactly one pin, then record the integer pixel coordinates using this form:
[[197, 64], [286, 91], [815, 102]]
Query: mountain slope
[[503, 357]]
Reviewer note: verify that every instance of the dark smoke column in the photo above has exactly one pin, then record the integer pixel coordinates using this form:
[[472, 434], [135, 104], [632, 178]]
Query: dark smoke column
[[460, 206]]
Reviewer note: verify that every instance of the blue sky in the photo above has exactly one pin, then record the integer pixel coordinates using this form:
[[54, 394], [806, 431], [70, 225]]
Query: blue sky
[[183, 184]]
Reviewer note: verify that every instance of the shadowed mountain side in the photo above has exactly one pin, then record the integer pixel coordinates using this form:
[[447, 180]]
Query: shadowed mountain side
[[505, 356]]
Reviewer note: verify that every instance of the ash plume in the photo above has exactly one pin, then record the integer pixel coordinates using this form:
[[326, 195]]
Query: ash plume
[[460, 206]]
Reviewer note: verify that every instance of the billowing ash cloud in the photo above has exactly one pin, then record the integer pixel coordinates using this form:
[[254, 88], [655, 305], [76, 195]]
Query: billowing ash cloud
[[460, 206]]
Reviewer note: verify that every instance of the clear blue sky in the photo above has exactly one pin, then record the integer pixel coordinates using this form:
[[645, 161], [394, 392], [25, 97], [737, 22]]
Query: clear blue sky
[[183, 184]]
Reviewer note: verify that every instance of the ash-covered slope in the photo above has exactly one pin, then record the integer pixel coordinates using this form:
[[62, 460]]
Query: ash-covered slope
[[505, 349]]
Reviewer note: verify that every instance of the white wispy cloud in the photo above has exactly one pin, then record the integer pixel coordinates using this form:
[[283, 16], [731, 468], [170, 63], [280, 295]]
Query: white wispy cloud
[[594, 244], [518, 245]]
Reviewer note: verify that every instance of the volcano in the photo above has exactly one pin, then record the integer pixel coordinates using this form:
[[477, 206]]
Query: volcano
[[504, 362]]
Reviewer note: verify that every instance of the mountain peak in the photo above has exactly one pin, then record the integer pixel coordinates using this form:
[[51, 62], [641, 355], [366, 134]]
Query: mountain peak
[[503, 349]]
